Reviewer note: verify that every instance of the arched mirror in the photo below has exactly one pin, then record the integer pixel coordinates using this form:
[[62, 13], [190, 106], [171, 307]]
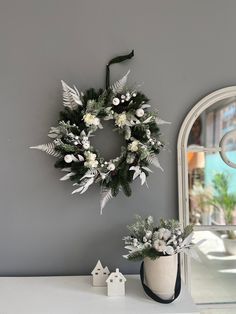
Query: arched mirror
[[207, 196]]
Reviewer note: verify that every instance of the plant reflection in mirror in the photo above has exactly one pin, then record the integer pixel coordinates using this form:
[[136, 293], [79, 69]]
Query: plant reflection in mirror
[[224, 199]]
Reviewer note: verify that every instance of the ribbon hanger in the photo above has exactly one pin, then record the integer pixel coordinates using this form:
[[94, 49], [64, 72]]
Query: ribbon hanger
[[116, 60]]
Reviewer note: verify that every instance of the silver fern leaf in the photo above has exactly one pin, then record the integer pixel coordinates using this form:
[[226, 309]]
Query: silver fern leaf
[[160, 121], [119, 85], [71, 97], [152, 159], [48, 148], [90, 174], [148, 120], [68, 169], [106, 195], [67, 176], [84, 185]]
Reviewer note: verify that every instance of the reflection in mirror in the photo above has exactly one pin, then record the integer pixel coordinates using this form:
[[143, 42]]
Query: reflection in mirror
[[211, 179], [207, 197], [213, 280]]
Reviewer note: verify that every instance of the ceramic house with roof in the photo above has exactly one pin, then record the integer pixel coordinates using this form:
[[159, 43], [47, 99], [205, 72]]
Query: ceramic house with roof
[[116, 284], [100, 275]]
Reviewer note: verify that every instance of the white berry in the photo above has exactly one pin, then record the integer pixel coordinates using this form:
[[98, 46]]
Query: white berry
[[86, 145], [68, 159], [128, 96], [116, 101], [148, 132]]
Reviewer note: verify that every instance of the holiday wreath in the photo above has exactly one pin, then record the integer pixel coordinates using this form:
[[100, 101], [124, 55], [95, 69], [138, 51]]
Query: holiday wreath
[[83, 114]]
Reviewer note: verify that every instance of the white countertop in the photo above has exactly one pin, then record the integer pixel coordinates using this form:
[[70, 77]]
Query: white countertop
[[75, 295]]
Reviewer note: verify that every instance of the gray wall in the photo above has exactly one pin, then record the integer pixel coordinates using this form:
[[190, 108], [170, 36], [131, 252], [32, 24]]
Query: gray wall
[[183, 50]]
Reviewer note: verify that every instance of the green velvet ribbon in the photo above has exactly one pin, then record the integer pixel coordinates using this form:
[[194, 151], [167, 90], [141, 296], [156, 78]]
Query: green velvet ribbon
[[116, 60]]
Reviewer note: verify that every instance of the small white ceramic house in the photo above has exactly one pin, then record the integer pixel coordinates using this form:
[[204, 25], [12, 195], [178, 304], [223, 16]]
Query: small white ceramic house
[[100, 275], [116, 284]]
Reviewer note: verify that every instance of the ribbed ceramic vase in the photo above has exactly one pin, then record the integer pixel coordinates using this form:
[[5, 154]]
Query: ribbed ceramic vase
[[160, 275]]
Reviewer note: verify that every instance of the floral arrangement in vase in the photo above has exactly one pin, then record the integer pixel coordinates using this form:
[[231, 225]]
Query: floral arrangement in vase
[[147, 239], [158, 246]]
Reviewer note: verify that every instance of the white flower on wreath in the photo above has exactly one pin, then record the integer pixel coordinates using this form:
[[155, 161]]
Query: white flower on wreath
[[133, 147], [85, 142], [91, 119], [91, 161], [111, 166], [130, 158], [121, 119]]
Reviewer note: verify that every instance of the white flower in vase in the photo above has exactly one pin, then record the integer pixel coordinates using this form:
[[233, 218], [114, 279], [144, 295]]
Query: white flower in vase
[[166, 234], [148, 234], [159, 245]]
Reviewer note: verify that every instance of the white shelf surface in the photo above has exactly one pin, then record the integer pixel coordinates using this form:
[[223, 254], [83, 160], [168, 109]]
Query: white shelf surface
[[75, 295]]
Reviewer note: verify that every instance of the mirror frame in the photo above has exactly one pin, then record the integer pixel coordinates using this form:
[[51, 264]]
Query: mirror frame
[[182, 167]]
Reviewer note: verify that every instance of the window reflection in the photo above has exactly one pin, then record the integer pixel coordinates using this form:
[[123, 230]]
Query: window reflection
[[212, 190], [212, 183]]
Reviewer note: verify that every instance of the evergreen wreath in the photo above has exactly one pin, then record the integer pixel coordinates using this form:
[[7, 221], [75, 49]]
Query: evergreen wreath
[[83, 115]]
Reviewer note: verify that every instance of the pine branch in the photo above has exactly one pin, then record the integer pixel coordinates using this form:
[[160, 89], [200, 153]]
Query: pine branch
[[135, 256], [187, 231], [126, 188], [151, 253]]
